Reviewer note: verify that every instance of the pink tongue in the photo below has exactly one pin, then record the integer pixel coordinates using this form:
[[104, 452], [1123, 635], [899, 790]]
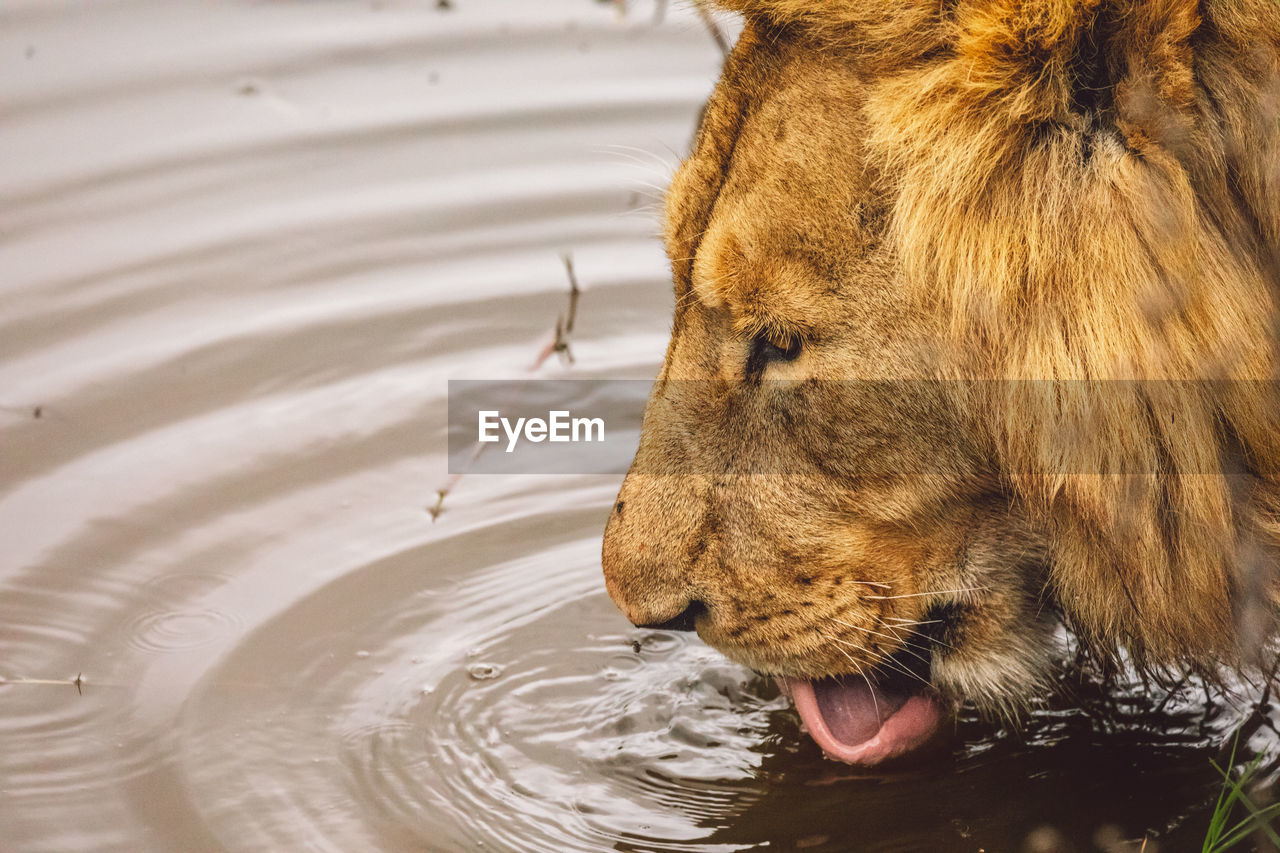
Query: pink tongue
[[855, 723], [854, 713]]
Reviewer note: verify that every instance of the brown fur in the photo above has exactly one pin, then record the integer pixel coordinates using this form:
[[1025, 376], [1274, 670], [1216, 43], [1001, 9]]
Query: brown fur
[[973, 190]]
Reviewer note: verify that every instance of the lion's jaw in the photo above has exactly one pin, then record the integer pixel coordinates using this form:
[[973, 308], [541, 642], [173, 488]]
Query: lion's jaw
[[879, 607]]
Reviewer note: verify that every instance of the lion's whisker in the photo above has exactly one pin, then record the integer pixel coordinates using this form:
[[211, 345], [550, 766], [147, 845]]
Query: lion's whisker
[[633, 150], [875, 703], [925, 594], [886, 660], [880, 659], [921, 647], [896, 639], [852, 645], [905, 645], [932, 640], [647, 211], [655, 188]]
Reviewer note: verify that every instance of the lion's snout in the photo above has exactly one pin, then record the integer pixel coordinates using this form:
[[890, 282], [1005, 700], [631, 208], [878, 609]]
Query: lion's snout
[[646, 575]]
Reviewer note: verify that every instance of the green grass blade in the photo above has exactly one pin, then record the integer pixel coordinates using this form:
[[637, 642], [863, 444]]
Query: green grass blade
[[1221, 809], [1219, 837]]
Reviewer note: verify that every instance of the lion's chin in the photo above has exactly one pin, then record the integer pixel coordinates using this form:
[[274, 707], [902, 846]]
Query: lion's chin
[[859, 724]]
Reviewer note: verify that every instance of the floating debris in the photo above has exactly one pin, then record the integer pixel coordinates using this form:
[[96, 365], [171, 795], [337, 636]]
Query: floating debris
[[439, 507], [443, 493], [78, 682], [565, 322], [484, 671], [36, 412], [559, 344]]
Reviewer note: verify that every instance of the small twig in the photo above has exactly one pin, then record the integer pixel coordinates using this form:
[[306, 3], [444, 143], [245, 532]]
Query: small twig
[[441, 494], [559, 344], [574, 293], [452, 483], [36, 412], [78, 682], [712, 27], [562, 340], [564, 324]]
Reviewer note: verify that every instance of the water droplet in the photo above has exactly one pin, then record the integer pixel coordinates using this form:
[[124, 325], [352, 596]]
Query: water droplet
[[362, 654], [484, 671]]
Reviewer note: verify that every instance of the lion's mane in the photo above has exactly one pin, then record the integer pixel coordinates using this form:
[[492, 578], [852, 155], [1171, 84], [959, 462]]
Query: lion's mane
[[1090, 190]]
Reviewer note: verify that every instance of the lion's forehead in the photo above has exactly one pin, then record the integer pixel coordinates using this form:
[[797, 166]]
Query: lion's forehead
[[789, 208]]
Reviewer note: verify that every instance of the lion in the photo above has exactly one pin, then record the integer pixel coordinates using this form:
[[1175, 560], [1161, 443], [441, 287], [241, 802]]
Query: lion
[[975, 341]]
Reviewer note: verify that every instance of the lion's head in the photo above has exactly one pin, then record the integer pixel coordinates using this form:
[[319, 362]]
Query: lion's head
[[920, 251]]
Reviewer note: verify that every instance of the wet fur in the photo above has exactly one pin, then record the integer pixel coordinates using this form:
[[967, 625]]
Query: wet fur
[[993, 189]]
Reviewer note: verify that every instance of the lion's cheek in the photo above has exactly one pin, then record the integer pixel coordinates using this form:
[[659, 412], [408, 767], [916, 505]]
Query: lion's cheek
[[1000, 655]]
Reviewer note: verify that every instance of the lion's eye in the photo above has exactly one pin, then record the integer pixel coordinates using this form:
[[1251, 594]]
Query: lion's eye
[[771, 352], [765, 352]]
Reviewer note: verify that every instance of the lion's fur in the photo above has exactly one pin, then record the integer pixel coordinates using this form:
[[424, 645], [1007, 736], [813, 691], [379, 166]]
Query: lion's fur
[[1056, 190]]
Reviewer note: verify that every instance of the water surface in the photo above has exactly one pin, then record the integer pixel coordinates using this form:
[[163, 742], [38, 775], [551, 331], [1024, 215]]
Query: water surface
[[244, 246]]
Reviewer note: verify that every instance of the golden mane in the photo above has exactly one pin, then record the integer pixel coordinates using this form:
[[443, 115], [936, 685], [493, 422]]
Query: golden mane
[[1090, 190]]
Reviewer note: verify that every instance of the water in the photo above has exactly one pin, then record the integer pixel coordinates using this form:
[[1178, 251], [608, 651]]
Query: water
[[244, 246]]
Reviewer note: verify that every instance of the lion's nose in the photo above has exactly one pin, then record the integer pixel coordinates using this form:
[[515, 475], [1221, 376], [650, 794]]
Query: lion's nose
[[686, 620]]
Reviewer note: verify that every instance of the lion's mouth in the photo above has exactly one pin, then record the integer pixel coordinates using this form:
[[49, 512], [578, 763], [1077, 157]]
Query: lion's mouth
[[858, 723]]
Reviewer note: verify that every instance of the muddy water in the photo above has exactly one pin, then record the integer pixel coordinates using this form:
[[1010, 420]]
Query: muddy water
[[244, 245]]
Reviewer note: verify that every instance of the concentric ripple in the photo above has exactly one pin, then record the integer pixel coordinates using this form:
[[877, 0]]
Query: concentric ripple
[[517, 712], [508, 716], [172, 630]]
